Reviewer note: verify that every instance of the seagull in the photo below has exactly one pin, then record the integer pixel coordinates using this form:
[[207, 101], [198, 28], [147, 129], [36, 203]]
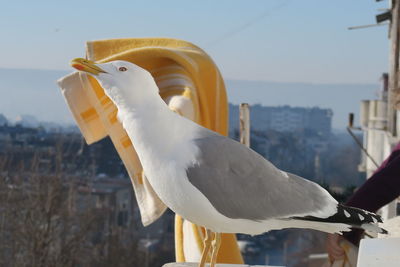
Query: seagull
[[212, 180]]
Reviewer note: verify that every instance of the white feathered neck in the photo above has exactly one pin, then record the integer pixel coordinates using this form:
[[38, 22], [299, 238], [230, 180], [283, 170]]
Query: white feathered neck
[[157, 133]]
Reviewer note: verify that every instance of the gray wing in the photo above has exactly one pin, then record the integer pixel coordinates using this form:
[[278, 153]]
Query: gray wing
[[240, 183]]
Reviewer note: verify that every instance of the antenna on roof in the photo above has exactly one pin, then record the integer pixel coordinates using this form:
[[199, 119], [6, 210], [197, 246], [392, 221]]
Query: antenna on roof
[[382, 17], [366, 26]]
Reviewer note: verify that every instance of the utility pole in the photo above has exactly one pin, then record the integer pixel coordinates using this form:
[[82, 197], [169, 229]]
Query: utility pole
[[394, 65], [244, 127]]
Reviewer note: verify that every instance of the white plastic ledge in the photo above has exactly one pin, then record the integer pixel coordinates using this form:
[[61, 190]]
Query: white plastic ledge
[[379, 252], [192, 264]]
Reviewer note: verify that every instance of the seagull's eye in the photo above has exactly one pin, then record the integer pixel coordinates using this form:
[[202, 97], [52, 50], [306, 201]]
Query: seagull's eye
[[122, 69]]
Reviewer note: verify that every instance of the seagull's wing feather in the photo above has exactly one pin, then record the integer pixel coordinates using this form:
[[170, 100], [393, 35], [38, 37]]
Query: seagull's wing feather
[[240, 183]]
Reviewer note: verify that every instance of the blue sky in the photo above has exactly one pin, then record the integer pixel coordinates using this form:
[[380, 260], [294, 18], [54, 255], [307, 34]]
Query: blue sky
[[302, 46], [270, 40]]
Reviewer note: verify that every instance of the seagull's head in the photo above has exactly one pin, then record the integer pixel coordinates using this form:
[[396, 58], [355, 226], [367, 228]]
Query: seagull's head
[[123, 82]]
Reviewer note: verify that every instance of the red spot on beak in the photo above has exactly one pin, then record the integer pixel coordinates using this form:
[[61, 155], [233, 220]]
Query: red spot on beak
[[78, 66]]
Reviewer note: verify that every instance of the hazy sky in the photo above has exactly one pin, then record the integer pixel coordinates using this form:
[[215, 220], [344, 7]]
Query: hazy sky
[[274, 40]]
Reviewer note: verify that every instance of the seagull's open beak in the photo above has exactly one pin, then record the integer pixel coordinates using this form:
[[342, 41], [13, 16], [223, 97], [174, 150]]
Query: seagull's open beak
[[86, 66]]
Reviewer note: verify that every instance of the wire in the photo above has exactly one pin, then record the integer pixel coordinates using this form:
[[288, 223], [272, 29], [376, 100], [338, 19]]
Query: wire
[[361, 146], [248, 24]]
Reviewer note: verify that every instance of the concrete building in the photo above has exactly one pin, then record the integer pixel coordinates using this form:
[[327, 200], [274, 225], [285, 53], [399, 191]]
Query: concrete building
[[378, 138], [3, 120], [114, 195], [285, 119]]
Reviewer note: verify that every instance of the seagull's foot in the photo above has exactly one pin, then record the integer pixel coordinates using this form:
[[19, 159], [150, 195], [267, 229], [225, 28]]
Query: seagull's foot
[[206, 249], [216, 243]]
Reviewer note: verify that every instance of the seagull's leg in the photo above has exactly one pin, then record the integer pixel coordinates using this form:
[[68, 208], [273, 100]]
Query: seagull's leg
[[216, 243], [206, 249]]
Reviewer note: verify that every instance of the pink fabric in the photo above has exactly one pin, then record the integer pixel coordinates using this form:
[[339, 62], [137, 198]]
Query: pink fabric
[[382, 188]]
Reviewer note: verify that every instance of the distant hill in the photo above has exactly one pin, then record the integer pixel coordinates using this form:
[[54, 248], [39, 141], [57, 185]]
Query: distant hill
[[35, 92]]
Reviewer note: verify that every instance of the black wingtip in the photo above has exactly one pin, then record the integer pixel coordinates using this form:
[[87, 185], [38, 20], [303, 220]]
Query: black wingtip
[[377, 217], [354, 217]]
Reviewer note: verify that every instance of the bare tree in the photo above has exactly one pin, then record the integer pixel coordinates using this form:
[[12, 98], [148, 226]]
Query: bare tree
[[44, 221]]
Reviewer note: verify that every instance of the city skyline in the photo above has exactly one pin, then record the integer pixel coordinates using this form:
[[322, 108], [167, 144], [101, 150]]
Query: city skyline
[[38, 93]]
